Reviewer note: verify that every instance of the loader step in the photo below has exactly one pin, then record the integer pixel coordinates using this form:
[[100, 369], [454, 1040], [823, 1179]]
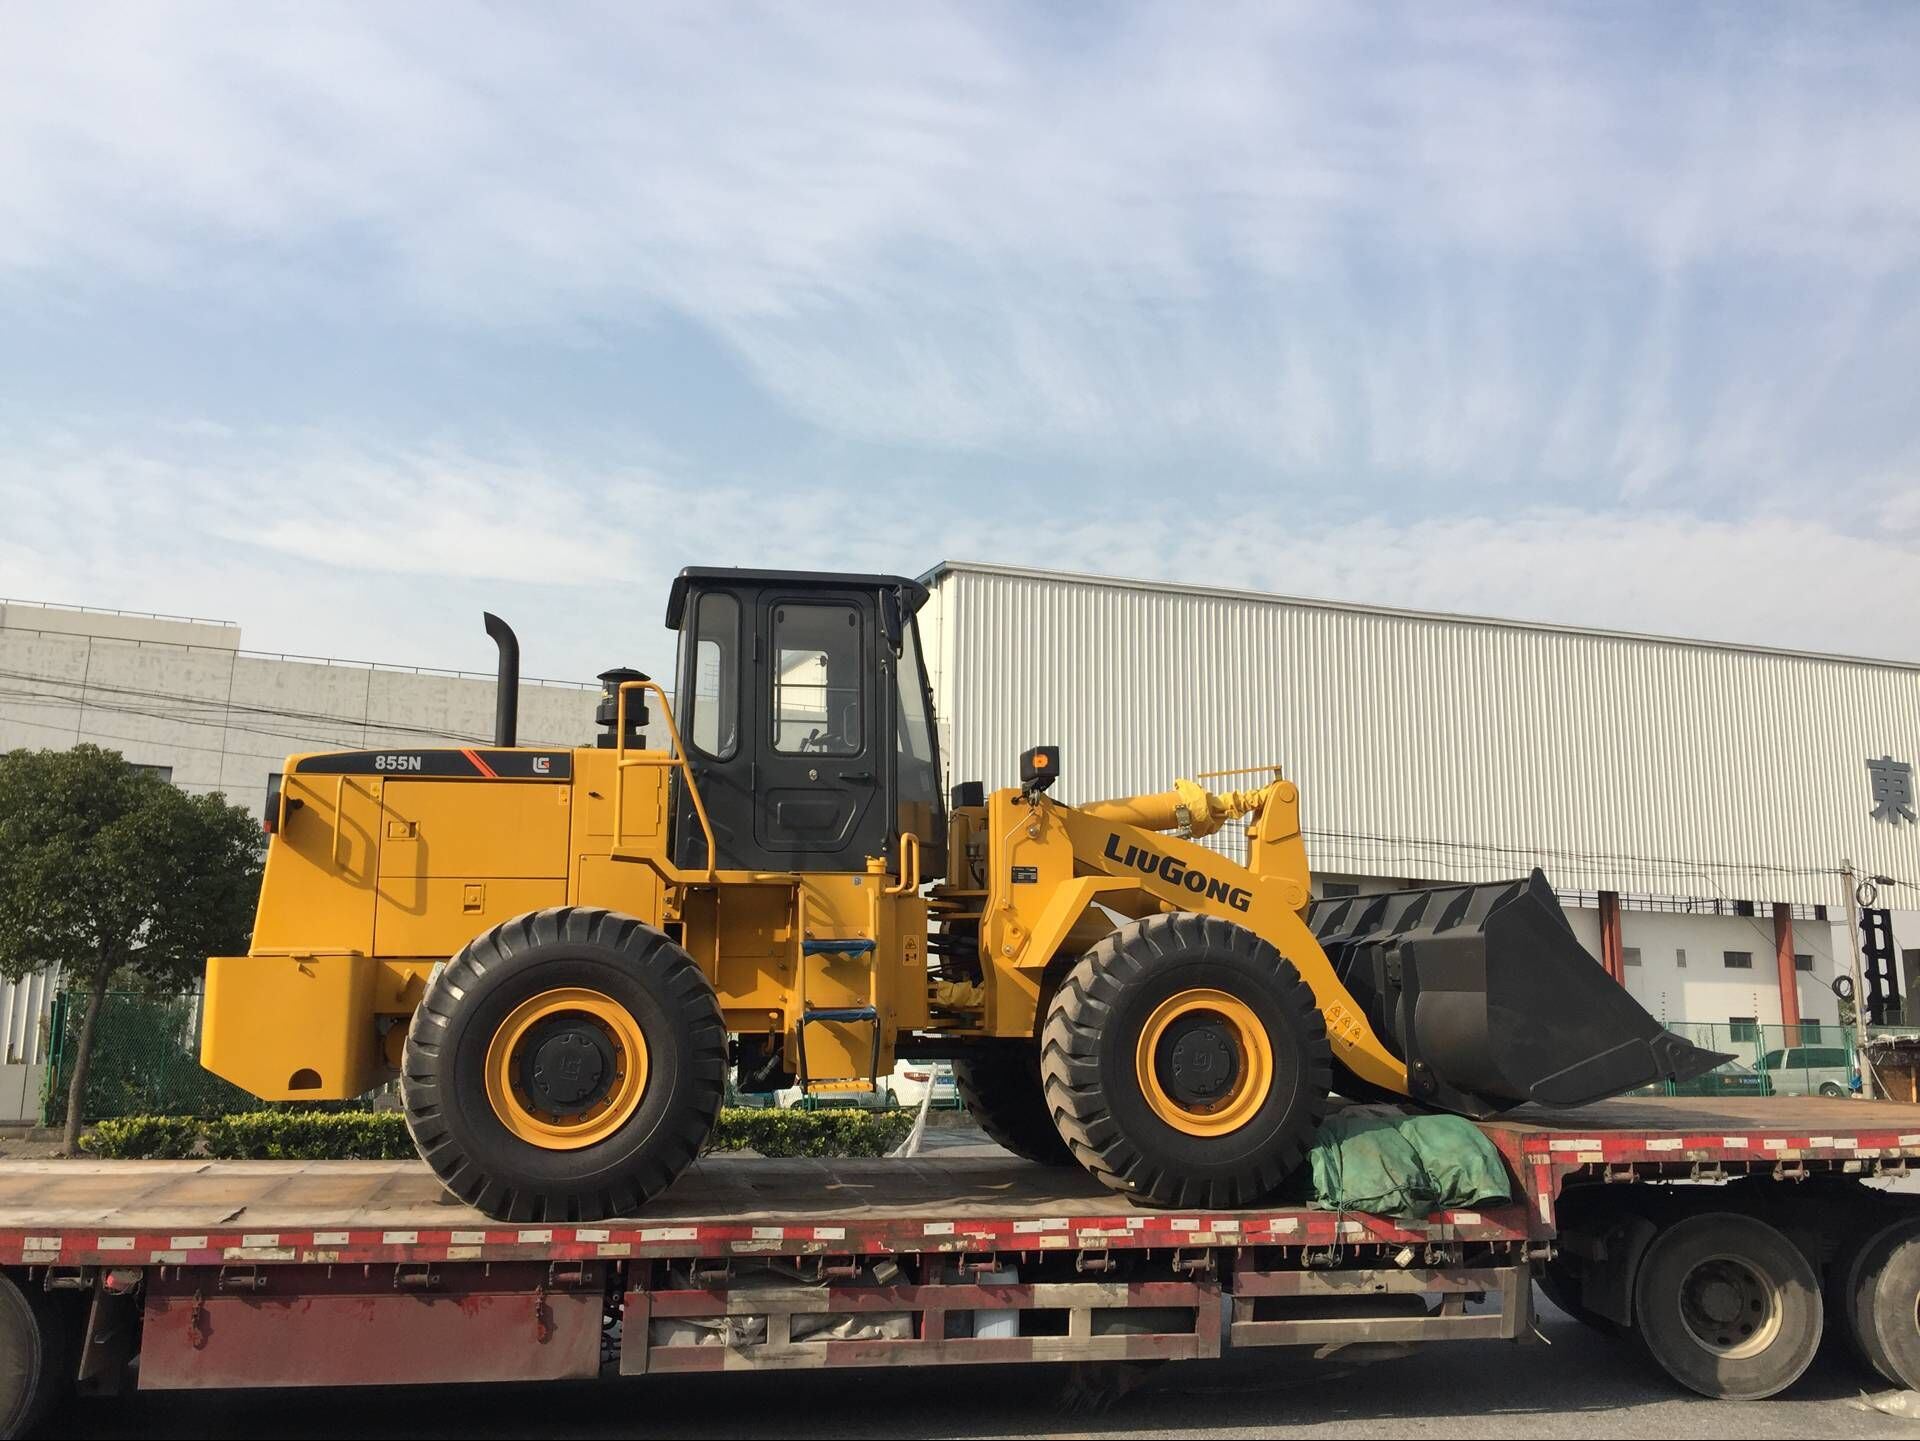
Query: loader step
[[858, 947]]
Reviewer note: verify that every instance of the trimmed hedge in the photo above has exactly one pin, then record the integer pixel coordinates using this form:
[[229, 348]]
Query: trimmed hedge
[[255, 1136], [140, 1137], [840, 1131], [382, 1135]]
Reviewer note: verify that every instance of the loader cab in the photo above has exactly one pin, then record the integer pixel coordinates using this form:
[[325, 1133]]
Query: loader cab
[[803, 703]]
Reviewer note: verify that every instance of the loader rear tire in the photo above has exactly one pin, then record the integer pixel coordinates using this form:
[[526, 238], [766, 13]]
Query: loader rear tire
[[565, 1066], [1185, 1063], [1001, 1087]]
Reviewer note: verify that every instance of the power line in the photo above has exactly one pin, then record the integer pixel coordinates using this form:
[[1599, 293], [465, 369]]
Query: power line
[[198, 712], [1672, 864]]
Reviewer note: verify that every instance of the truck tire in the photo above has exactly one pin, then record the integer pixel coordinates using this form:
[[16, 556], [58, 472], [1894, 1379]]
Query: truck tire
[[36, 1357], [1843, 1290], [1001, 1086], [1727, 1306], [1885, 1309], [1185, 1063], [565, 1066]]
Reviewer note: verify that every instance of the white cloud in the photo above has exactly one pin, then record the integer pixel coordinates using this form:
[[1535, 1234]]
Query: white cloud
[[740, 159], [1319, 236], [390, 556], [1468, 309]]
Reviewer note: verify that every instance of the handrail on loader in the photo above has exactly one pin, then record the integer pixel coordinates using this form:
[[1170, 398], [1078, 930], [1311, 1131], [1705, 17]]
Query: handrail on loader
[[678, 757], [909, 866]]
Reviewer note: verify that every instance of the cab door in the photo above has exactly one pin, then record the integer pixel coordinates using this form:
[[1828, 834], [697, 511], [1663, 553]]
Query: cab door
[[821, 760]]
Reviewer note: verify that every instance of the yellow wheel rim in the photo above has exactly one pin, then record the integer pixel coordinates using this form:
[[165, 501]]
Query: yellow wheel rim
[[585, 1025], [1204, 1062]]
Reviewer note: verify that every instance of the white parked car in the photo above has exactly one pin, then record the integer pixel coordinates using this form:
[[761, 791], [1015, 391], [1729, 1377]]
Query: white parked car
[[906, 1087], [1809, 1071], [912, 1079]]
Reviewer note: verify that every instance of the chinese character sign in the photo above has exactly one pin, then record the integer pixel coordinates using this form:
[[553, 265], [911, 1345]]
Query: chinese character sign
[[1892, 790]]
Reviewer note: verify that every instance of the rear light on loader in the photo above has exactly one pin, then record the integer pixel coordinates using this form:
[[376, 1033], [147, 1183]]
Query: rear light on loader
[[1040, 767]]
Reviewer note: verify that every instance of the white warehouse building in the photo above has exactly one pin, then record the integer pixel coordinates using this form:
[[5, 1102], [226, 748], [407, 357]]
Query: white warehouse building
[[1692, 802]]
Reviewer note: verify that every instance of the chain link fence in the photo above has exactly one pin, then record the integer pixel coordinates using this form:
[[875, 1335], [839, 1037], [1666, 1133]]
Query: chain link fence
[[146, 1060], [1815, 1059]]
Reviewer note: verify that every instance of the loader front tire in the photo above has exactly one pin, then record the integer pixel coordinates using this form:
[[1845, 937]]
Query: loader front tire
[[1185, 1063], [565, 1066], [1001, 1086]]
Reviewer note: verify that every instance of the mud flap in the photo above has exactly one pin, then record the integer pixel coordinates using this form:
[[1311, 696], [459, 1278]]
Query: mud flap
[[1488, 996]]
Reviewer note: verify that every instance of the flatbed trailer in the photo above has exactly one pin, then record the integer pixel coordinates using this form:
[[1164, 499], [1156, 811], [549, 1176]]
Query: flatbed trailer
[[1728, 1235]]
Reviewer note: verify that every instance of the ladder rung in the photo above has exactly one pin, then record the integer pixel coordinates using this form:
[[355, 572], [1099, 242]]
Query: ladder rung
[[858, 947], [842, 1013]]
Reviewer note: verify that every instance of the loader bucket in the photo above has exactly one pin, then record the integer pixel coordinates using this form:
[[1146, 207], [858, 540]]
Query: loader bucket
[[1490, 999]]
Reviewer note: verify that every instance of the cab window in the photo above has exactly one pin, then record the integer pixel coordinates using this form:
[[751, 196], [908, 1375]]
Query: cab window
[[716, 675], [817, 705], [919, 774]]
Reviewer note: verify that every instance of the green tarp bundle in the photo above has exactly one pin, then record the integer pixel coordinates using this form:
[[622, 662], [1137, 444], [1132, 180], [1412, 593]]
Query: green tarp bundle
[[1390, 1163]]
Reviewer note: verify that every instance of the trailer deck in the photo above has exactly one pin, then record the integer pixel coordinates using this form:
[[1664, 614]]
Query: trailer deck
[[274, 1212], [265, 1273]]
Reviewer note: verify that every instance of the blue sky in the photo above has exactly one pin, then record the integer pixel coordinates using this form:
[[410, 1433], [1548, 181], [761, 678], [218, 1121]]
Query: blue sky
[[345, 321]]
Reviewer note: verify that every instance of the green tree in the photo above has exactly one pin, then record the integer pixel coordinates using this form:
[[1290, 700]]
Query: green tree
[[107, 871]]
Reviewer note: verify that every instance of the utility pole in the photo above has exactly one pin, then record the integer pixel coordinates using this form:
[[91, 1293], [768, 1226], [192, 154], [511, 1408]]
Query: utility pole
[[1867, 1088]]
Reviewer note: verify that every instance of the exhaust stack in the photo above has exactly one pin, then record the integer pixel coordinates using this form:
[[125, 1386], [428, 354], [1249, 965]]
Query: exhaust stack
[[506, 705]]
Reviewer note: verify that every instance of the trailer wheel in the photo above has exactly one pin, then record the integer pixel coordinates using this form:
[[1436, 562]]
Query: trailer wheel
[[1001, 1087], [1884, 1309], [36, 1357], [1728, 1306], [565, 1066], [1185, 1062], [1851, 1265]]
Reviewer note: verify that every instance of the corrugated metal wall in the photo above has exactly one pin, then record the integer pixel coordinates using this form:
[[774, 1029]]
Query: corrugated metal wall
[[1435, 747], [24, 1009]]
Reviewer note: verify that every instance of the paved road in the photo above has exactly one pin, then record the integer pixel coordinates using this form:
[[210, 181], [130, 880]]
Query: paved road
[[1580, 1386]]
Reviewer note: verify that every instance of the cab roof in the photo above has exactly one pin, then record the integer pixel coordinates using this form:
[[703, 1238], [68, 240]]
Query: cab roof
[[913, 594]]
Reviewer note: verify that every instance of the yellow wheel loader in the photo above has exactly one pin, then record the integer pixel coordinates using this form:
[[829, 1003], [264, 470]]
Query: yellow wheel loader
[[566, 955]]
